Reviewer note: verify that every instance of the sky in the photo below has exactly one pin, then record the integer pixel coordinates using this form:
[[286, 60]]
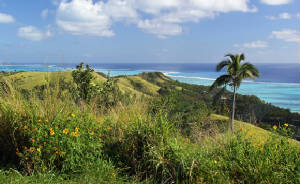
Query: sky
[[148, 31]]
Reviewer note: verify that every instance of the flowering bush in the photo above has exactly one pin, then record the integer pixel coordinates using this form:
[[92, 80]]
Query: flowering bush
[[284, 130], [67, 143]]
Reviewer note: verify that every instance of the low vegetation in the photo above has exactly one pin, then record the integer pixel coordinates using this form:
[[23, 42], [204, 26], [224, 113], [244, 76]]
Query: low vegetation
[[58, 132]]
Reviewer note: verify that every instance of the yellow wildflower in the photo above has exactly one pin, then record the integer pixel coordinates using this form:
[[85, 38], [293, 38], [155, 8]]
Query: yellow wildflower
[[286, 125], [38, 149], [52, 131], [92, 133], [46, 121], [39, 120], [73, 134], [76, 129], [65, 131], [73, 115], [274, 127], [215, 162], [25, 127]]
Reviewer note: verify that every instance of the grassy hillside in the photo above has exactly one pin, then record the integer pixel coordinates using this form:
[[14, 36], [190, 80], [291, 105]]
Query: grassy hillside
[[255, 133], [156, 84], [134, 85], [146, 128]]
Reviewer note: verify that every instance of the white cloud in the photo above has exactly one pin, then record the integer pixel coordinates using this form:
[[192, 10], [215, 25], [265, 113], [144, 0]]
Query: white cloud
[[119, 10], [162, 30], [256, 44], [253, 45], [81, 17], [285, 16], [6, 18], [159, 17], [44, 13], [276, 2], [33, 34], [287, 35]]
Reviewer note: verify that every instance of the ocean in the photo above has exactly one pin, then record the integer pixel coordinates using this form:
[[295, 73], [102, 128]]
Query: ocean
[[279, 84]]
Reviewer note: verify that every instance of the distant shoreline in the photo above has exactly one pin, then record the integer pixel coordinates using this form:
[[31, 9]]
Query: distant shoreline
[[282, 89]]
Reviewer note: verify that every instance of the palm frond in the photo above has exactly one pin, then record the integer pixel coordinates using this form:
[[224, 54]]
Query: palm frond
[[222, 64], [248, 70], [221, 81], [242, 57], [232, 57], [237, 64]]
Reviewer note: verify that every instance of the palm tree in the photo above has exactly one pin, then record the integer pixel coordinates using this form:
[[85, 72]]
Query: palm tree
[[236, 72]]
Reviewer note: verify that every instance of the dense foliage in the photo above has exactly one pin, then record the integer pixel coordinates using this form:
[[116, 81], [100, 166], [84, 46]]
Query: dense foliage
[[83, 78], [47, 136], [249, 108]]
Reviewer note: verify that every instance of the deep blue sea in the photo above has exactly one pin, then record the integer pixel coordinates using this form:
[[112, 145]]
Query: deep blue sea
[[279, 84]]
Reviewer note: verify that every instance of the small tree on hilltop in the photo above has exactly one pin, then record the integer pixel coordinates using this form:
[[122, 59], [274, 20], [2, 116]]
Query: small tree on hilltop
[[236, 72], [83, 78]]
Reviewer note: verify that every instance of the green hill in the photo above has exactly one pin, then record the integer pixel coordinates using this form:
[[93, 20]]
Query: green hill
[[145, 84], [145, 128]]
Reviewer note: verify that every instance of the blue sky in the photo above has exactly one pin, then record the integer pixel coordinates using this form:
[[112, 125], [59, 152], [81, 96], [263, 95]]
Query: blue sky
[[166, 31]]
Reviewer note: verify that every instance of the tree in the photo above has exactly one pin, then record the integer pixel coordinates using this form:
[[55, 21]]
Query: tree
[[83, 78], [235, 73]]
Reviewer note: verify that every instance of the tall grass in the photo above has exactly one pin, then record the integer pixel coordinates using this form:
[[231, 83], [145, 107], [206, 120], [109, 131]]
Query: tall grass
[[49, 136]]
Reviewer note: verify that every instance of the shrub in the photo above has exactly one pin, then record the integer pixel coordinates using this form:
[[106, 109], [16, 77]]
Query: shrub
[[109, 94], [83, 78], [38, 137], [240, 160]]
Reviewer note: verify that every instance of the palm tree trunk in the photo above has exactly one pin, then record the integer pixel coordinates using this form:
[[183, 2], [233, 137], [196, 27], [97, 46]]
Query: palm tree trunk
[[233, 109]]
